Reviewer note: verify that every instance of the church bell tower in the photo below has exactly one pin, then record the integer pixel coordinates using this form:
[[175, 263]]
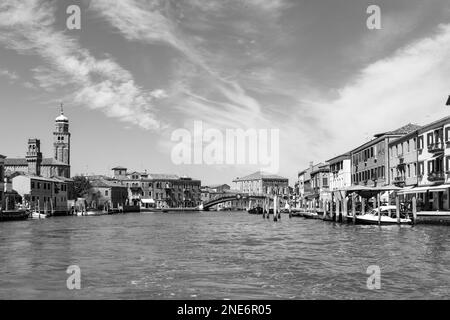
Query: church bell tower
[[61, 137]]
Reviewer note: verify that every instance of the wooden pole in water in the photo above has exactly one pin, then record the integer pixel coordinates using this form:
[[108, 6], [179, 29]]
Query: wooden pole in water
[[414, 208], [363, 206], [379, 207], [338, 210], [354, 207], [275, 205], [397, 207], [7, 203], [345, 209]]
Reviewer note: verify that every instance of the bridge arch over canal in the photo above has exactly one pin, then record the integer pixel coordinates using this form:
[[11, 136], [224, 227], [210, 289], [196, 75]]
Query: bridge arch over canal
[[231, 197]]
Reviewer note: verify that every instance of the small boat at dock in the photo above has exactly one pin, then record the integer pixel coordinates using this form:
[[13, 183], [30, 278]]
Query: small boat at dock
[[388, 217], [37, 215], [14, 215]]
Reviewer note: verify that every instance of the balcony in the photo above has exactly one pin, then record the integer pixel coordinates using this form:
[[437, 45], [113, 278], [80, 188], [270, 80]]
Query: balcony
[[436, 177], [399, 180], [436, 147]]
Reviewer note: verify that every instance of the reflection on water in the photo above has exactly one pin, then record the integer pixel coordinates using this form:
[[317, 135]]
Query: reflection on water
[[229, 255]]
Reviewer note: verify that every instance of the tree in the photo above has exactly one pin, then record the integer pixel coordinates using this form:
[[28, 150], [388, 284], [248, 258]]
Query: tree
[[82, 186]]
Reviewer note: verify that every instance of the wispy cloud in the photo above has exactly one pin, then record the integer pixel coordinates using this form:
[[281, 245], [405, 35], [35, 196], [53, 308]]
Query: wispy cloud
[[407, 86], [10, 75], [27, 27]]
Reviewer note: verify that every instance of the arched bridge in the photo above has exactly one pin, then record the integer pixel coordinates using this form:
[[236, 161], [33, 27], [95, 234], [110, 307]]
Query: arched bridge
[[231, 197]]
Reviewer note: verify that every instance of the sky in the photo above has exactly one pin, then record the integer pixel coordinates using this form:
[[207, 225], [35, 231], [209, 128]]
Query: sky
[[138, 71]]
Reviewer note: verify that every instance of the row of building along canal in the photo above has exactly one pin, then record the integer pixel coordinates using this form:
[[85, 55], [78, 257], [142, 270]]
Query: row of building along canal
[[398, 177]]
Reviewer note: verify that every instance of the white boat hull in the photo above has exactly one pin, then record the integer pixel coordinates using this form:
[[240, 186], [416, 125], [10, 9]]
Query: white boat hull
[[36, 215], [371, 219]]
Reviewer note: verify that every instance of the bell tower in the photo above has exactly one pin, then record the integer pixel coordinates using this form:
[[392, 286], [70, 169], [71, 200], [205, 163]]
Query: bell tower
[[34, 157], [61, 139]]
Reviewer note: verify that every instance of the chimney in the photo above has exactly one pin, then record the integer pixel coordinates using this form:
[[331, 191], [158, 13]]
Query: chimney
[[34, 157]]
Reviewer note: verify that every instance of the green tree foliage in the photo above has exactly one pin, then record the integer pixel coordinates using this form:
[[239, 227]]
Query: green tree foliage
[[82, 186]]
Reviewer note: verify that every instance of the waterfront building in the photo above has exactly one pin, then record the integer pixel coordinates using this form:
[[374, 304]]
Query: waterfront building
[[159, 190], [107, 193], [313, 185], [434, 166], [340, 172], [403, 160], [45, 194], [370, 161], [305, 185], [35, 164], [261, 183], [2, 179]]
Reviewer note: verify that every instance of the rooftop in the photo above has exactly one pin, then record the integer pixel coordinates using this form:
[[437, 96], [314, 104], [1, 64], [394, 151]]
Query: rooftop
[[260, 175], [22, 162]]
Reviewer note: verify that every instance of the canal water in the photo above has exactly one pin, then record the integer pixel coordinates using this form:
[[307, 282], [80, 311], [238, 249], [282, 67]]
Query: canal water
[[220, 255]]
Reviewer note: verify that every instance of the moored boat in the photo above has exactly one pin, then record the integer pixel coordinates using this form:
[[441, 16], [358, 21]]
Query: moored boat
[[37, 215], [14, 215], [388, 217], [311, 215]]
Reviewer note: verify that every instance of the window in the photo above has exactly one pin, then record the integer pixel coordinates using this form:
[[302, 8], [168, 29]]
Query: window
[[407, 146], [415, 169], [447, 164], [430, 139], [420, 143], [447, 134], [106, 193], [421, 168], [409, 171], [32, 185], [430, 166]]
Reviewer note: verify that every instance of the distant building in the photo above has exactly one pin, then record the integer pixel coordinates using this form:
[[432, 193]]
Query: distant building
[[313, 184], [370, 161], [340, 172], [218, 187], [45, 194], [35, 164], [107, 194], [159, 190], [403, 161], [260, 183], [2, 179]]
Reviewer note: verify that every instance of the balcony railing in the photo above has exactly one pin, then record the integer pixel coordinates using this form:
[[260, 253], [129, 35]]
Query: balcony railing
[[399, 179], [436, 177], [436, 147]]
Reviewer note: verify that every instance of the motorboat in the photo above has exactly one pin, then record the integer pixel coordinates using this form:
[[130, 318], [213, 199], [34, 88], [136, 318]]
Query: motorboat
[[256, 210], [37, 215], [310, 215], [388, 217], [14, 215]]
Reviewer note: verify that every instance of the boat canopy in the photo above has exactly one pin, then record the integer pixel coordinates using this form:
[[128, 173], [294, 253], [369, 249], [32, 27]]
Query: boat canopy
[[151, 201]]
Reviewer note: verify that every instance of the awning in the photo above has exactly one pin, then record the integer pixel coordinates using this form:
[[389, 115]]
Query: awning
[[148, 201], [441, 188]]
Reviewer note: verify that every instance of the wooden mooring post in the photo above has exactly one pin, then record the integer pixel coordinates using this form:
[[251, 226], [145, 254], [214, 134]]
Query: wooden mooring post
[[379, 207], [354, 207], [414, 209], [397, 207]]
